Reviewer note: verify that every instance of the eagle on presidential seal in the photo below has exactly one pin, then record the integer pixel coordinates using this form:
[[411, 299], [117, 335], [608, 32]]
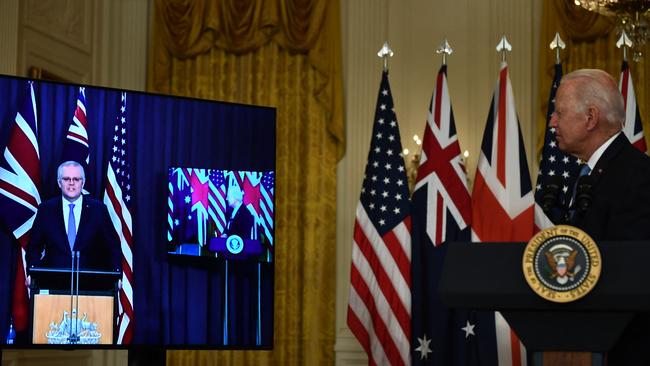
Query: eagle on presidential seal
[[562, 260]]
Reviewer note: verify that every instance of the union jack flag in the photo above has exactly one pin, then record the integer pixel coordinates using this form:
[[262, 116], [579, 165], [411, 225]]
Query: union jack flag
[[20, 181], [75, 145], [441, 212], [502, 199], [633, 128], [379, 311], [118, 197], [258, 188]]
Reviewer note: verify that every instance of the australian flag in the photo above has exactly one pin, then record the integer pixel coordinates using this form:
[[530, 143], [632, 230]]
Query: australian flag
[[441, 212]]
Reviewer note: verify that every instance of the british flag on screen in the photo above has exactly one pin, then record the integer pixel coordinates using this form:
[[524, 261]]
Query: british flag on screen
[[633, 127], [20, 182], [379, 308], [118, 197], [258, 188], [502, 198], [75, 146]]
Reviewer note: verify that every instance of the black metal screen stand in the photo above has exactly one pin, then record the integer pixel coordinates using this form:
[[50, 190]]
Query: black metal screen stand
[[145, 356]]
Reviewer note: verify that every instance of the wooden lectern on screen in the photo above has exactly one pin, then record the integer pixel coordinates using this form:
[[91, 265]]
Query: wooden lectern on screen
[[73, 307]]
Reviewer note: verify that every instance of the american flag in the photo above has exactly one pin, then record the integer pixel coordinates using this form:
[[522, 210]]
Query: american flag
[[441, 213], [379, 309], [633, 128], [20, 181], [502, 199], [217, 200], [118, 197], [554, 163]]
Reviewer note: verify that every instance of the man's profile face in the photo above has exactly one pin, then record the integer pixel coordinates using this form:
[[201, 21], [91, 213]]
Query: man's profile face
[[569, 122], [71, 182], [233, 198]]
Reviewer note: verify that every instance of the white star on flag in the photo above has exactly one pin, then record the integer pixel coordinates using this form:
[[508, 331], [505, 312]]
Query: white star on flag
[[468, 329], [424, 348]]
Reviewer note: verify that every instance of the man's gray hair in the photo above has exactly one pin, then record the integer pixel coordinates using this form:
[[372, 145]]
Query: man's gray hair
[[59, 170], [598, 88]]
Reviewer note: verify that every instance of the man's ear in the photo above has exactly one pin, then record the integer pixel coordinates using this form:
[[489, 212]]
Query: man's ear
[[593, 115]]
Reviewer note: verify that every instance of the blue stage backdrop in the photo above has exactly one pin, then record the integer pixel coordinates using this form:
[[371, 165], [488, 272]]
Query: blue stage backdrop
[[178, 302]]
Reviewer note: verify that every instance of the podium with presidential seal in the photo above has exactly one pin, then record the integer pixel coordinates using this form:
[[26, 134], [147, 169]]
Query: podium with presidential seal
[[568, 298]]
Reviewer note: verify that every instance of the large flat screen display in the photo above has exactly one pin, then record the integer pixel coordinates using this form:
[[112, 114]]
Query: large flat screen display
[[157, 229]]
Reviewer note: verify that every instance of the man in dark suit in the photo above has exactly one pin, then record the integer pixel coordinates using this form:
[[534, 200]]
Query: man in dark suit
[[73, 222], [239, 219], [588, 120]]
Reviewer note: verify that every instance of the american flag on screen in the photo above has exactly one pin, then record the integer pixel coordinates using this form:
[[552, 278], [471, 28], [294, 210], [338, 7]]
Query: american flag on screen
[[554, 163], [633, 127], [118, 197], [379, 308], [217, 200], [20, 181], [502, 198]]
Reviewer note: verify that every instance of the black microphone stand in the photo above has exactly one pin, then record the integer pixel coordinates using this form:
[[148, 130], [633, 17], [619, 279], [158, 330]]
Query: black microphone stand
[[73, 338]]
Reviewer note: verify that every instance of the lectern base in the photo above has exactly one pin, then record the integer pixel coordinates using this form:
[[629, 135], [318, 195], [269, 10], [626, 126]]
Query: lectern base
[[567, 359]]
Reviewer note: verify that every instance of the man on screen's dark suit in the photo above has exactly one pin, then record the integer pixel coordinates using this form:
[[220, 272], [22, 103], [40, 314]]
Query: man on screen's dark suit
[[95, 238], [588, 120], [240, 220]]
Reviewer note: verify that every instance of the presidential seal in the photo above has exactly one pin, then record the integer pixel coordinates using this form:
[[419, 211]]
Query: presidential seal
[[235, 244], [562, 263]]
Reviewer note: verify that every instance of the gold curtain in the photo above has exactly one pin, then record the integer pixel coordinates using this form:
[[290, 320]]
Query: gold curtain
[[285, 54], [590, 43]]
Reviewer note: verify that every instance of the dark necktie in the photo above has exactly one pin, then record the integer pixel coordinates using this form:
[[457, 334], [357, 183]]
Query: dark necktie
[[72, 227], [585, 170]]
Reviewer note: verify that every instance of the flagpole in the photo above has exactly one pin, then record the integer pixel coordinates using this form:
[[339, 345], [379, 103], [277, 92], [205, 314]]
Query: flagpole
[[625, 42], [556, 44], [444, 49], [504, 47], [385, 52]]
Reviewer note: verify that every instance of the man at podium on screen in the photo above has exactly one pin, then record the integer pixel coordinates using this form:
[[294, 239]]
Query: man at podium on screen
[[73, 222], [611, 200], [239, 220]]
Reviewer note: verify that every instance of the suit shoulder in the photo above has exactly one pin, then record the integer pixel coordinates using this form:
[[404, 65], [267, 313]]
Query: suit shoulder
[[637, 157], [52, 202], [89, 201]]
